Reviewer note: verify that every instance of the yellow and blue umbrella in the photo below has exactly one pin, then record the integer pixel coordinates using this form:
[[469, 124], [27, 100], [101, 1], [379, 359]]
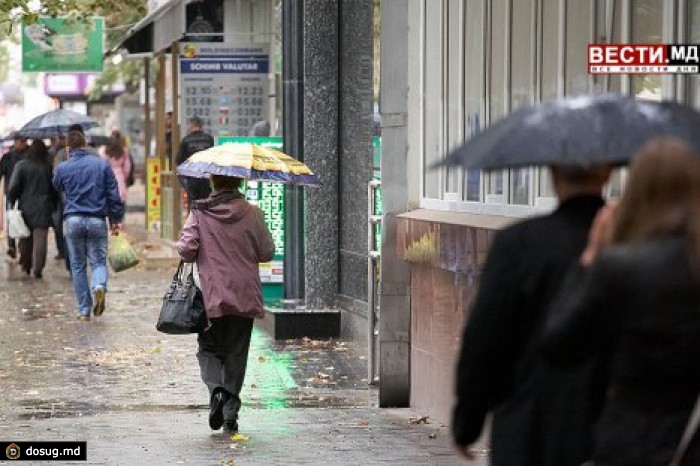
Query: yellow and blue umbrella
[[250, 161]]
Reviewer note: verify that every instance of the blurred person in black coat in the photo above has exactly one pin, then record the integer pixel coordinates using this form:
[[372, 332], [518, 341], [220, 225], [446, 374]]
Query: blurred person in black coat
[[7, 165], [31, 185], [195, 141], [541, 416], [636, 306]]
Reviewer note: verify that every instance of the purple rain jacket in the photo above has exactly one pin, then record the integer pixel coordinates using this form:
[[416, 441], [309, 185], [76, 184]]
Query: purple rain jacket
[[227, 237]]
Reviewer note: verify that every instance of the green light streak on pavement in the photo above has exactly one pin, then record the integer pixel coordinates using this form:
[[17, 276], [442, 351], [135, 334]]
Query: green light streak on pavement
[[269, 374]]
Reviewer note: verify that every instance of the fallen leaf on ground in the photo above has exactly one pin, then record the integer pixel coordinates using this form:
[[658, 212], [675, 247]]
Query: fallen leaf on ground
[[363, 422], [419, 420], [238, 437]]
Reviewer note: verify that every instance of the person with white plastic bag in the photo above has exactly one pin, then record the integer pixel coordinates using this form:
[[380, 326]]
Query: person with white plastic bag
[[31, 188], [7, 165]]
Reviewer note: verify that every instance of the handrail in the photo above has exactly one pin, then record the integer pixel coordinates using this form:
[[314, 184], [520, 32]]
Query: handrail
[[373, 259]]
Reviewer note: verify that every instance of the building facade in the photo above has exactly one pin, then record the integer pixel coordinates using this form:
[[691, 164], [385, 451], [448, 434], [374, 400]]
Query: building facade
[[320, 101], [449, 69]]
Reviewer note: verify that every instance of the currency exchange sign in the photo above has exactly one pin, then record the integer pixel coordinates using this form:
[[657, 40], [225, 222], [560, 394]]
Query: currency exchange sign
[[226, 85]]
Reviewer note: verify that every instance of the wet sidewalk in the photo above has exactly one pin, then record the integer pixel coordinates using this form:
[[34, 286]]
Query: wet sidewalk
[[135, 395]]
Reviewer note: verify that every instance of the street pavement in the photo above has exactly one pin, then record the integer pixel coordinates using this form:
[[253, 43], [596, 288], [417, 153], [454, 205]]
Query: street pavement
[[135, 395]]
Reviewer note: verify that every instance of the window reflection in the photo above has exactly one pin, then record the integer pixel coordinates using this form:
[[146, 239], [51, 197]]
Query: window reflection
[[694, 25], [520, 186], [647, 28]]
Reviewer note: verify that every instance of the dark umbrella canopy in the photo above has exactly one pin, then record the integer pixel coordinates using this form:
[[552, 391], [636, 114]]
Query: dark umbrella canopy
[[55, 123], [577, 131]]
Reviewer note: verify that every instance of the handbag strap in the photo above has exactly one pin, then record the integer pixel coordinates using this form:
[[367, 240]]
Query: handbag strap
[[688, 434], [178, 272], [185, 273]]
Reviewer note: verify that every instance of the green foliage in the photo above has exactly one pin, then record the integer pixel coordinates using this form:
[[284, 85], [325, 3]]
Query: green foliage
[[119, 16], [13, 12], [4, 61]]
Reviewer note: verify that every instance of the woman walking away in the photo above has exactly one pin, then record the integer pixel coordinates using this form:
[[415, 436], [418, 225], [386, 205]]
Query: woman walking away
[[639, 310], [31, 186], [227, 238], [117, 156]]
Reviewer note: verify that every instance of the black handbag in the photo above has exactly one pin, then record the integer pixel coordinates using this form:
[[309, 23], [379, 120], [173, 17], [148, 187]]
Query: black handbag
[[183, 306]]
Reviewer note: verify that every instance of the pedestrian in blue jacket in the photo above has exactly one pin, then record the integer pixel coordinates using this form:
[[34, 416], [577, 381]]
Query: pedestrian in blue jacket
[[91, 195]]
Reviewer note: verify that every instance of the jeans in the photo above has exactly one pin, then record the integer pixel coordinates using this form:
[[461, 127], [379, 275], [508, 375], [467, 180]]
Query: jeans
[[86, 238]]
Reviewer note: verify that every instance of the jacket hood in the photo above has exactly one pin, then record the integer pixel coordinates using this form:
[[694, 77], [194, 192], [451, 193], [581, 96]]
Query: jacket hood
[[224, 206]]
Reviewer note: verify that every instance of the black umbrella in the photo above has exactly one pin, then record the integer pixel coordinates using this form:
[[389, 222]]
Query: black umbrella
[[55, 123], [577, 131]]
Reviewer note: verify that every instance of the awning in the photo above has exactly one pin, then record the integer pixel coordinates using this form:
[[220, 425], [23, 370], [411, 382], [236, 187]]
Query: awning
[[157, 31]]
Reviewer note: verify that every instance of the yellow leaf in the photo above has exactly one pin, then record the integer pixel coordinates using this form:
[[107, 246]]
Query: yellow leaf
[[239, 438]]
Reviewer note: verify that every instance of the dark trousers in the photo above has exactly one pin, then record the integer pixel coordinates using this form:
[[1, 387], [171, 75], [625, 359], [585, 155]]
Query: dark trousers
[[32, 250], [223, 356], [11, 242], [57, 221]]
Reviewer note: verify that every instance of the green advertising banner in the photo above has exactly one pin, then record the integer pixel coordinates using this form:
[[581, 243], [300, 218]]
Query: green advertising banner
[[376, 163], [62, 45]]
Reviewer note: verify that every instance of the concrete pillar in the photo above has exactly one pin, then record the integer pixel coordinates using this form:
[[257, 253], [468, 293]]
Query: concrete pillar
[[395, 321]]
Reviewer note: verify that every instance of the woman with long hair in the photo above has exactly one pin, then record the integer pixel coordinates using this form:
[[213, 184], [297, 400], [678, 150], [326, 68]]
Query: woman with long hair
[[638, 309], [117, 155], [31, 186]]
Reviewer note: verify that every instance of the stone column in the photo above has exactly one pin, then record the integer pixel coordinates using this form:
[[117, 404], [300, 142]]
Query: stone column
[[321, 151], [356, 99]]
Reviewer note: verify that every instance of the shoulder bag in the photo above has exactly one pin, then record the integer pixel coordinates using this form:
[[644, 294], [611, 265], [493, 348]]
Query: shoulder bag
[[183, 306]]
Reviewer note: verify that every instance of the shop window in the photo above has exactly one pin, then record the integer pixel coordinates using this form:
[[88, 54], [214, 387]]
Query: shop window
[[480, 60], [205, 21], [647, 28], [433, 79], [693, 81]]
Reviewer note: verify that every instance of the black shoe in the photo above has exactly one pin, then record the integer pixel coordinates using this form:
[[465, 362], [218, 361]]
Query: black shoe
[[12, 253], [231, 426], [38, 275], [216, 408]]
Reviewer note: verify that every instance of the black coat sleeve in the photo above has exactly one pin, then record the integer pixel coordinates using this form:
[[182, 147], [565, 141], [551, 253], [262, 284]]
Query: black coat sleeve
[[486, 362], [182, 154], [16, 184], [4, 167], [582, 322]]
